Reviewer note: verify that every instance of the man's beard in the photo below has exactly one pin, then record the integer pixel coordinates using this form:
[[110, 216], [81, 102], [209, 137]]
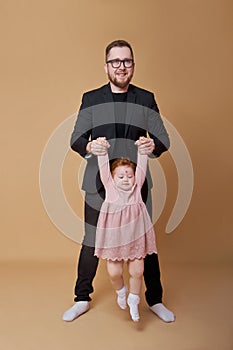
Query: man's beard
[[119, 84]]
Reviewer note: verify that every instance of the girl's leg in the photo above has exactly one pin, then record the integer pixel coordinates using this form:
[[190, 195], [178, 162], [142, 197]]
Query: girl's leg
[[136, 268], [115, 271]]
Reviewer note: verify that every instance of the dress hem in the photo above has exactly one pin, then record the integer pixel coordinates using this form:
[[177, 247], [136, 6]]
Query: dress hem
[[126, 258]]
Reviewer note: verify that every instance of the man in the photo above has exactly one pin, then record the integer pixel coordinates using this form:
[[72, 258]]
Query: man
[[122, 113]]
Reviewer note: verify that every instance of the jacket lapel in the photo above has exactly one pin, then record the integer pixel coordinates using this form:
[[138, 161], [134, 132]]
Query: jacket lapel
[[131, 100], [107, 94]]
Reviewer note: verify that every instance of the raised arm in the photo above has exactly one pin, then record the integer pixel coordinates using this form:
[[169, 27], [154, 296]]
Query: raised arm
[[158, 133], [104, 168], [103, 161], [82, 129], [141, 168]]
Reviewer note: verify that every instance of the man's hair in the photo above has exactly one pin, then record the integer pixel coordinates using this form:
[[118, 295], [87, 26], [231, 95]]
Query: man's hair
[[122, 162], [117, 43]]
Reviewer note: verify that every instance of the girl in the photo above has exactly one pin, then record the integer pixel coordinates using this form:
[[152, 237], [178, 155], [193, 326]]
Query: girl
[[124, 230]]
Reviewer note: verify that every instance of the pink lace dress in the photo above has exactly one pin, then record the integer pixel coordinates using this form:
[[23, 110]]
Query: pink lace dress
[[124, 229]]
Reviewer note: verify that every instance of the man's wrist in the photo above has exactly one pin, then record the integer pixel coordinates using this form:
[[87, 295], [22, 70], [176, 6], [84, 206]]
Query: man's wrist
[[88, 150], [88, 147]]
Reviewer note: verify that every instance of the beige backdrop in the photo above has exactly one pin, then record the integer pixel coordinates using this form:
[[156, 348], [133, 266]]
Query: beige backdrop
[[52, 51]]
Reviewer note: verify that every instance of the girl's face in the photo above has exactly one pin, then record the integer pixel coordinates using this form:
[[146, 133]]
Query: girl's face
[[124, 177]]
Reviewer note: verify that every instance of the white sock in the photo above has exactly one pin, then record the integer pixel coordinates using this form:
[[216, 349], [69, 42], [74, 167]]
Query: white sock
[[161, 311], [133, 301], [79, 308], [121, 298]]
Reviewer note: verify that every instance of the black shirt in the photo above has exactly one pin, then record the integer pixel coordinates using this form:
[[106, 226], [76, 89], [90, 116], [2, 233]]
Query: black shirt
[[120, 106]]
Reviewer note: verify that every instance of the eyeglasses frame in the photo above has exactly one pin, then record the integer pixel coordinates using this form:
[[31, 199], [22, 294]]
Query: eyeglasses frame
[[121, 61]]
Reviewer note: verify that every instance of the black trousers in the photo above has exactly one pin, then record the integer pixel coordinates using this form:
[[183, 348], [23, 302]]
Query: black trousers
[[88, 263]]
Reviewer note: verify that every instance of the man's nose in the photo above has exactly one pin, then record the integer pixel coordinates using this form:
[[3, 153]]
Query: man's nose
[[122, 66]]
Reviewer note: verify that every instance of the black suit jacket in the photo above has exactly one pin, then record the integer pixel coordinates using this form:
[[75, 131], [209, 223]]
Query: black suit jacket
[[96, 118]]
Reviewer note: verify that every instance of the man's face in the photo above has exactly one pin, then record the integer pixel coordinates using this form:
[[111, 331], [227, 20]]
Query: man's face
[[119, 77]]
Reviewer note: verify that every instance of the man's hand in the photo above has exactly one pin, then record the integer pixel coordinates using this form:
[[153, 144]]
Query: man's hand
[[145, 145], [98, 147]]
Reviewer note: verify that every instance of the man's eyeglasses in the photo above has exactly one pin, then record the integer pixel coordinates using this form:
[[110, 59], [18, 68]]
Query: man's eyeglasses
[[128, 63]]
